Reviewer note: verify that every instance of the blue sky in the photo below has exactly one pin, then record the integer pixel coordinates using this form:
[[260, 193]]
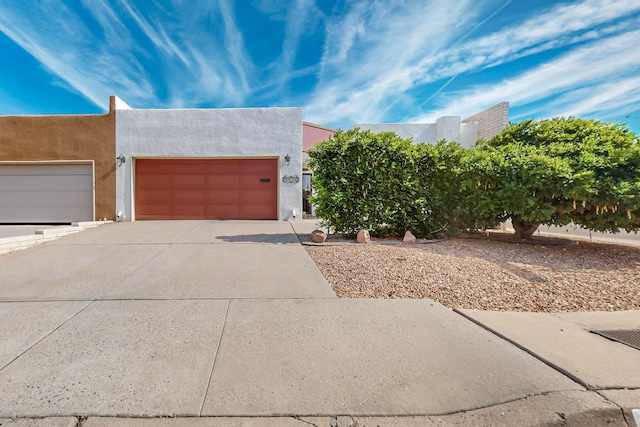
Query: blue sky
[[344, 62]]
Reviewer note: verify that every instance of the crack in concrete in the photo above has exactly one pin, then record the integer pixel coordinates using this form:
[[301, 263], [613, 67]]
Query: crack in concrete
[[297, 418]]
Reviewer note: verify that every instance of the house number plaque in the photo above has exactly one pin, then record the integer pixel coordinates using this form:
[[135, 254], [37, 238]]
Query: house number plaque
[[291, 179]]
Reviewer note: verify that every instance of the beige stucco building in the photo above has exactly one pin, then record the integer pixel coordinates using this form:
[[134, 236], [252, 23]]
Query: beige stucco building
[[57, 168]]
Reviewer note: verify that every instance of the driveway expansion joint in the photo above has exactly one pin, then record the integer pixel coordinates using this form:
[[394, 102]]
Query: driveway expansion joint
[[213, 365], [552, 365], [46, 335]]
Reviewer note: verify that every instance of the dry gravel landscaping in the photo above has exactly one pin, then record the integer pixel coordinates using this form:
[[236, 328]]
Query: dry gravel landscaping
[[488, 274]]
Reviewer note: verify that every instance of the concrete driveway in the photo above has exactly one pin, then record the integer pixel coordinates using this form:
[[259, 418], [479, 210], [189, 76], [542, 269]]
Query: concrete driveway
[[197, 319], [166, 260]]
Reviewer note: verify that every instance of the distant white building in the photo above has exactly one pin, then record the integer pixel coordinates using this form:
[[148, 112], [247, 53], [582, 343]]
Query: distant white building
[[466, 132]]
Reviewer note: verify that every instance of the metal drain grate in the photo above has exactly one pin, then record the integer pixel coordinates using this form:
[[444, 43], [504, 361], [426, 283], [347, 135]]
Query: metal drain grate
[[630, 337]]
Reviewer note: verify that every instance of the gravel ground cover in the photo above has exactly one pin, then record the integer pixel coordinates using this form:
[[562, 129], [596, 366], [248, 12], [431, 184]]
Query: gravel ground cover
[[488, 274]]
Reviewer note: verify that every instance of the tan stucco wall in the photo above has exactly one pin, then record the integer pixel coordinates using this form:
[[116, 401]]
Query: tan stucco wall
[[91, 137]]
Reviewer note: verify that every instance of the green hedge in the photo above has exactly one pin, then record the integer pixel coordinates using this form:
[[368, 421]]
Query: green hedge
[[545, 172], [382, 183]]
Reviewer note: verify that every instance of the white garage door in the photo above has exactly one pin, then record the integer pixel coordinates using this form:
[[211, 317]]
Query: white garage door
[[46, 193]]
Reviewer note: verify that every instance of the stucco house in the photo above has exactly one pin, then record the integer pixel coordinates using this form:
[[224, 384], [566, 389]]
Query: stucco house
[[57, 169], [237, 163], [466, 132], [152, 164]]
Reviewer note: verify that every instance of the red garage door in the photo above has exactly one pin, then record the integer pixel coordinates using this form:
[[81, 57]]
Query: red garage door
[[206, 189]]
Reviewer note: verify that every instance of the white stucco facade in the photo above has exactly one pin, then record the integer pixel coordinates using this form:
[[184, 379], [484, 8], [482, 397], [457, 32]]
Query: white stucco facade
[[418, 132], [466, 132], [449, 128], [209, 134]]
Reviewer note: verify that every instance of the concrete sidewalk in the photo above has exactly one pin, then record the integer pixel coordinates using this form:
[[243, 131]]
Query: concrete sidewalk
[[257, 358], [389, 362], [564, 341], [231, 324]]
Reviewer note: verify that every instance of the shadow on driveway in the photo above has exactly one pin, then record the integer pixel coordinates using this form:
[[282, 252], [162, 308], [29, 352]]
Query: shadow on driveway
[[280, 239]]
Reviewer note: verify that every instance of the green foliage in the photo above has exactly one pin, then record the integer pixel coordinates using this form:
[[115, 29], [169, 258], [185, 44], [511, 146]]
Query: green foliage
[[440, 168], [367, 180], [534, 172], [556, 171]]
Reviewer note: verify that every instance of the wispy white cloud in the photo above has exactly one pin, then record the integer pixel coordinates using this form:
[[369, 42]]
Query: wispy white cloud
[[155, 57], [371, 53], [367, 79], [300, 19], [612, 99], [561, 26], [235, 47], [360, 60], [566, 81], [70, 55], [154, 32]]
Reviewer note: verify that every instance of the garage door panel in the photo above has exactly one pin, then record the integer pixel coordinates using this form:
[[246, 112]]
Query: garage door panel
[[72, 211], [188, 166], [253, 212], [33, 216], [258, 167], [30, 198], [187, 196], [223, 212], [226, 167], [256, 197], [145, 167], [224, 196], [36, 193], [223, 181], [164, 166], [46, 198], [151, 196], [152, 180], [191, 211], [72, 183], [51, 170], [188, 181], [21, 183], [207, 189], [45, 183], [154, 209]]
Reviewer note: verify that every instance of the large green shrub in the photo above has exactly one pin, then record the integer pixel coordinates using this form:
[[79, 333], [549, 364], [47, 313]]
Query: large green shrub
[[440, 168], [367, 180], [534, 172], [554, 172]]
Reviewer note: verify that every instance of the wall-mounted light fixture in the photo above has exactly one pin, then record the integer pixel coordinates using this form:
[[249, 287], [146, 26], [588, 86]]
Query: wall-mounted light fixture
[[287, 159], [120, 160]]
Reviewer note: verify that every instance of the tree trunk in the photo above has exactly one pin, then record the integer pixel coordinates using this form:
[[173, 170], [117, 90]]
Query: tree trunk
[[523, 230]]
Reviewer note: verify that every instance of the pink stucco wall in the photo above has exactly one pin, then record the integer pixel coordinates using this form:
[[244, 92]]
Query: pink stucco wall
[[312, 134]]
